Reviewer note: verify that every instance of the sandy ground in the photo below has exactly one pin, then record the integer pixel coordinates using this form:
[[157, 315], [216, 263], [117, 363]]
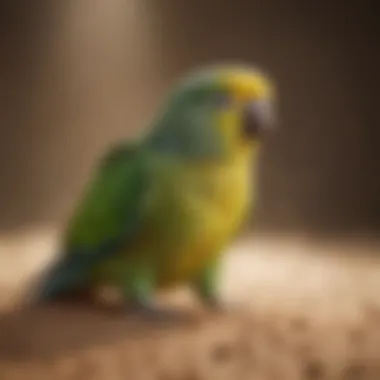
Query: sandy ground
[[297, 311]]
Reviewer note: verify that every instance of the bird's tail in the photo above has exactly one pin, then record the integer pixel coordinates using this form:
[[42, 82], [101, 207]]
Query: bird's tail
[[61, 279]]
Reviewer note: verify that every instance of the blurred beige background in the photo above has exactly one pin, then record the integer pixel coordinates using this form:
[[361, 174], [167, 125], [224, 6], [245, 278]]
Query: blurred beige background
[[76, 75]]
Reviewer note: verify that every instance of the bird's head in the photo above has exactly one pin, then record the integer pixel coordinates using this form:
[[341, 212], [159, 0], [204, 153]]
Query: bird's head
[[217, 112]]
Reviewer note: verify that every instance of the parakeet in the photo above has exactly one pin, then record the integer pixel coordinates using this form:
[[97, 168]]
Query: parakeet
[[161, 210]]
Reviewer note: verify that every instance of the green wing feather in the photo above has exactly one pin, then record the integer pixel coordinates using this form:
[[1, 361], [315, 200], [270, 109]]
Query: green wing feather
[[107, 219], [110, 210]]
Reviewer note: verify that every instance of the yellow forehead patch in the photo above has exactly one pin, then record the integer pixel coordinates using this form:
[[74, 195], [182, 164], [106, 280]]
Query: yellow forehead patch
[[248, 84]]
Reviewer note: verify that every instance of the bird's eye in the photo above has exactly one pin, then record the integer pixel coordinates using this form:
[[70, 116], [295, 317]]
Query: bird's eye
[[222, 99]]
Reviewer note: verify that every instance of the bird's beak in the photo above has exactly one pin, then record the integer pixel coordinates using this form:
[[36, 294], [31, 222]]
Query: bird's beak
[[258, 118]]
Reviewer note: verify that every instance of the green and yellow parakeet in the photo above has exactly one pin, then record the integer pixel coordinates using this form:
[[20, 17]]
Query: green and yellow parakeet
[[160, 211]]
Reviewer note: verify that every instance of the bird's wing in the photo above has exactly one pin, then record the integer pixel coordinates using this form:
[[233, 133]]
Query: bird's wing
[[107, 219]]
